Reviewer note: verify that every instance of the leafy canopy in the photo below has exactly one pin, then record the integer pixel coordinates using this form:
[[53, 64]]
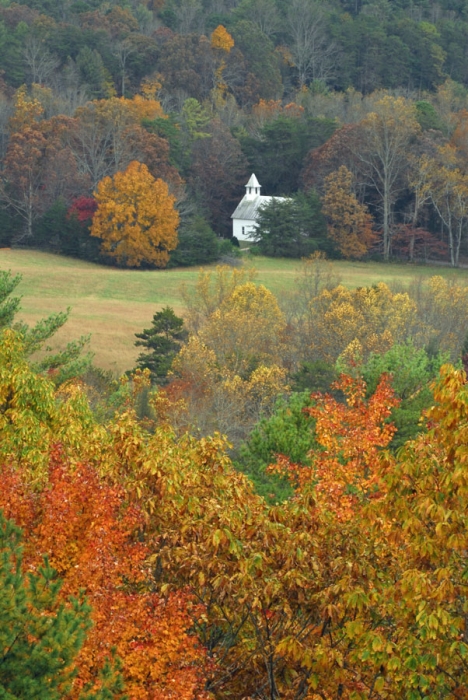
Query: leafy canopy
[[40, 634], [136, 218]]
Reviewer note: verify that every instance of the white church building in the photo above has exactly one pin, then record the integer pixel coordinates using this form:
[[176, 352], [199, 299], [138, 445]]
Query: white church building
[[244, 219]]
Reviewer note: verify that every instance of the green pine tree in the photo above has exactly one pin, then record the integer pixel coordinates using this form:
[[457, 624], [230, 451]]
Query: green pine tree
[[163, 341], [93, 72], [70, 362], [288, 431], [40, 636], [292, 228], [9, 305]]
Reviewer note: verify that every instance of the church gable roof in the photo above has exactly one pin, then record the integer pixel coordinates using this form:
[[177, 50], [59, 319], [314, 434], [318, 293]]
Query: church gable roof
[[248, 208]]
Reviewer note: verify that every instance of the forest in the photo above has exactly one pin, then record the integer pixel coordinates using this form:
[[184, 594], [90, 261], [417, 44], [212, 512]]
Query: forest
[[357, 111], [272, 504]]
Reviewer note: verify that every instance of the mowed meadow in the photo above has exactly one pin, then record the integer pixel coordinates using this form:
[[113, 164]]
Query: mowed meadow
[[112, 304]]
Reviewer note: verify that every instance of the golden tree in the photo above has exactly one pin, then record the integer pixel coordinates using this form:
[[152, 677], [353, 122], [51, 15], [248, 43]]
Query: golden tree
[[371, 318], [349, 222], [136, 218], [231, 370], [222, 43], [221, 39], [27, 111]]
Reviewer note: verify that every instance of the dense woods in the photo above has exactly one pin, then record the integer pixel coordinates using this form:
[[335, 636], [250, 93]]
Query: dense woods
[[272, 504], [203, 93]]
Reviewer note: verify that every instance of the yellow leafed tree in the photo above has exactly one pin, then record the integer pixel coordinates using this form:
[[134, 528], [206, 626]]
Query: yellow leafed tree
[[221, 39], [136, 218], [231, 370], [222, 42], [373, 316], [143, 107], [27, 111], [349, 222]]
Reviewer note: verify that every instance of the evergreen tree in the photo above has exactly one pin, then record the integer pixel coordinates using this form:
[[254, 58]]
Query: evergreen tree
[[40, 636], [61, 230], [65, 364], [93, 72], [277, 155], [290, 432], [198, 243], [292, 227], [11, 62], [163, 341], [9, 305]]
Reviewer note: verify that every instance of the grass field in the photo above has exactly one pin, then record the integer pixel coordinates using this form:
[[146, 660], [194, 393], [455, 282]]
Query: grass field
[[113, 304]]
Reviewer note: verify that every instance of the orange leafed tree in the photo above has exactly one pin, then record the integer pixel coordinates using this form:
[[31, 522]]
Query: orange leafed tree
[[337, 491], [221, 39], [351, 435], [349, 222], [91, 538], [136, 217], [28, 111]]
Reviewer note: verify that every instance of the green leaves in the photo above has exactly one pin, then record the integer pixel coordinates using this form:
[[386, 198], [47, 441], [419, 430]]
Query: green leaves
[[60, 365], [288, 431], [9, 306], [292, 227], [163, 341], [39, 637]]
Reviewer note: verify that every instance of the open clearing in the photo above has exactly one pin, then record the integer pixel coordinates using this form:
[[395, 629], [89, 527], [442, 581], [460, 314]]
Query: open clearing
[[112, 305]]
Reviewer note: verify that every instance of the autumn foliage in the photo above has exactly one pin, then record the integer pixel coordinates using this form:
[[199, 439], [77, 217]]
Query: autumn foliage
[[232, 360], [352, 588], [349, 222], [83, 208], [221, 39], [372, 319], [351, 434], [136, 218], [91, 539]]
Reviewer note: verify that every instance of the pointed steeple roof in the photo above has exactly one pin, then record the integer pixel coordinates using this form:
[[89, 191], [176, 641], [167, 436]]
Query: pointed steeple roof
[[252, 188], [253, 182]]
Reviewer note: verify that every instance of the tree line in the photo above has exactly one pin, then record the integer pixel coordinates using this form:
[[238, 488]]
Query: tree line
[[203, 96]]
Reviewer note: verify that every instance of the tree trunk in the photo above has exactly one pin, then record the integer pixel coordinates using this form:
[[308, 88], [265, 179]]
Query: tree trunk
[[458, 243], [386, 222], [411, 246], [30, 212], [451, 246]]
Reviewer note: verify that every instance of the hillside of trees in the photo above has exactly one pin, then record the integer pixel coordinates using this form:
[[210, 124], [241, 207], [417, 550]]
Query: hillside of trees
[[361, 104], [273, 504]]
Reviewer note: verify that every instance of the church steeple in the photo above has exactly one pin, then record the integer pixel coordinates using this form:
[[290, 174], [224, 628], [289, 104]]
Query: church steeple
[[252, 188]]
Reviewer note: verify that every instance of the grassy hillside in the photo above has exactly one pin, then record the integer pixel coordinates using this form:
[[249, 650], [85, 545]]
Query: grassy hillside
[[114, 304]]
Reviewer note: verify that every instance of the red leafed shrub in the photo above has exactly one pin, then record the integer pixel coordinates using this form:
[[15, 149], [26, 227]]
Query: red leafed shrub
[[83, 208]]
